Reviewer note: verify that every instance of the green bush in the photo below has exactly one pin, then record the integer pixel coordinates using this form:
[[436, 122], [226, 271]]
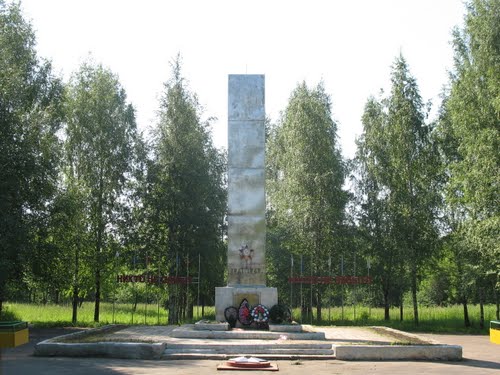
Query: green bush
[[8, 315]]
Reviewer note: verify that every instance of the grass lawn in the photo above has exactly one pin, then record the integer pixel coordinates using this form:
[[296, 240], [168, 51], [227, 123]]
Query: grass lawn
[[51, 315], [432, 319], [436, 319]]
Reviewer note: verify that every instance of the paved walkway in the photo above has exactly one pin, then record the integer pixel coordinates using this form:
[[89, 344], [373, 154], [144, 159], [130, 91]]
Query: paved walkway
[[480, 357]]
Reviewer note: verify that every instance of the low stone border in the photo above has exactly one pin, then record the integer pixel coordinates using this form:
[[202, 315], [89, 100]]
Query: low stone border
[[128, 350], [398, 352]]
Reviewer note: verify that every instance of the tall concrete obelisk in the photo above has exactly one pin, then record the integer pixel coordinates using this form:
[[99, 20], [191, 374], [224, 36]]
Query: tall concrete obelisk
[[246, 197]]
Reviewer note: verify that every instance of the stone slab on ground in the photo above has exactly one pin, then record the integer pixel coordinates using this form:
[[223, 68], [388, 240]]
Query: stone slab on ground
[[398, 352]]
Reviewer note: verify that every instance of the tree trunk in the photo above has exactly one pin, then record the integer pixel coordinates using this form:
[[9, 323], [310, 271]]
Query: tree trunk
[[318, 306], [181, 304], [386, 305], [136, 299], [97, 294], [2, 297], [466, 313], [414, 294], [496, 298], [172, 306], [74, 318], [481, 308], [172, 312], [100, 231], [189, 309], [304, 312], [401, 315]]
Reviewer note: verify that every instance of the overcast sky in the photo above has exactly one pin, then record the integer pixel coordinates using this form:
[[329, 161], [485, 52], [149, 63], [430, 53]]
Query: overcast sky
[[349, 44]]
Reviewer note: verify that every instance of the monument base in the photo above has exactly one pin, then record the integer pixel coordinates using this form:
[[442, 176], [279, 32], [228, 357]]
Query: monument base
[[233, 295]]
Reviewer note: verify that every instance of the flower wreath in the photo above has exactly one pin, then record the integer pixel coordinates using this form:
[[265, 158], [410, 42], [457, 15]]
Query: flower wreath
[[260, 314], [245, 313]]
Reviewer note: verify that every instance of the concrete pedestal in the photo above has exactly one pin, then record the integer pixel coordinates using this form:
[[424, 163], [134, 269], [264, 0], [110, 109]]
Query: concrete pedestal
[[232, 296]]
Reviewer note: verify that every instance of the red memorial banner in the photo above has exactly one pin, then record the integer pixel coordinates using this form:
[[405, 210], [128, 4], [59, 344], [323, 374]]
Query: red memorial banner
[[310, 280], [339, 280], [153, 279], [353, 280]]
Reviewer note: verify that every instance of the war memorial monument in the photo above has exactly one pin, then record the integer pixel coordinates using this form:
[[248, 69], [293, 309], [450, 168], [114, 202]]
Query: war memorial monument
[[246, 197], [246, 285]]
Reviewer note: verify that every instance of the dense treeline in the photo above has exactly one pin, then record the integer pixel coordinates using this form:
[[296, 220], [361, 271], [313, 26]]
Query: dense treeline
[[423, 214], [398, 185], [85, 197]]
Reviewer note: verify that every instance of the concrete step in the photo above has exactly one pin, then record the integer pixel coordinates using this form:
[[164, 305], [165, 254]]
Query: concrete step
[[250, 351], [188, 331], [196, 344], [267, 356], [223, 349]]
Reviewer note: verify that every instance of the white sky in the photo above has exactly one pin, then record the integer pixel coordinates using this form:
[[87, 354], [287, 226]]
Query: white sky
[[350, 44]]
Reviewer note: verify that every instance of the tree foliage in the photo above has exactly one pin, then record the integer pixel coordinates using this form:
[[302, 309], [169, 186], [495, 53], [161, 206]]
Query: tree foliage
[[471, 124], [468, 134], [99, 143], [306, 174], [187, 196], [30, 115], [399, 165], [374, 217]]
